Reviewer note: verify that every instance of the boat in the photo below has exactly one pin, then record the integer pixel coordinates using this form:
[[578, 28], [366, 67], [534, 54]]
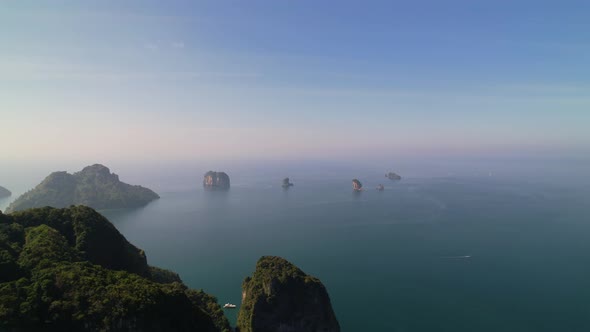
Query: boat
[[229, 306]]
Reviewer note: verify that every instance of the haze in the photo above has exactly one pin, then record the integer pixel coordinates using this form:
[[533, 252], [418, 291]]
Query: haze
[[227, 80]]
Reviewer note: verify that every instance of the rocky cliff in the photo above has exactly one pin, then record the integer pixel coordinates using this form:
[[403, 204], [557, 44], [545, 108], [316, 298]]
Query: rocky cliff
[[287, 183], [94, 186], [216, 180], [357, 185], [71, 270], [279, 297], [4, 192]]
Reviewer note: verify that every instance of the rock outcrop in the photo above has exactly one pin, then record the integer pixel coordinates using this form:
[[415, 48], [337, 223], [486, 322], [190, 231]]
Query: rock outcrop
[[279, 297], [71, 270], [94, 186], [287, 183], [357, 185], [4, 192], [216, 180], [393, 176]]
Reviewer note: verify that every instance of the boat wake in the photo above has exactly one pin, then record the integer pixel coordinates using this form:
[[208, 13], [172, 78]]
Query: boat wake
[[457, 257]]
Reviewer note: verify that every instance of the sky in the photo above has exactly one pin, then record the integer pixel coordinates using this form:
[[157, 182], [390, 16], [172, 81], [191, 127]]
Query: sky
[[285, 79]]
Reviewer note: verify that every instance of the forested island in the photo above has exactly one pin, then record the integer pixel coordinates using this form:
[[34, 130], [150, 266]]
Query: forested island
[[71, 270], [4, 192], [281, 297], [94, 186]]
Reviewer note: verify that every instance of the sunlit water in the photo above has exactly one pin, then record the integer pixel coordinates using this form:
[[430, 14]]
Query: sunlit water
[[427, 254]]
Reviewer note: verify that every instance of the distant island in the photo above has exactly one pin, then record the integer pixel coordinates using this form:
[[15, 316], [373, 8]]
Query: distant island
[[380, 187], [393, 176], [216, 180], [71, 270], [281, 297], [94, 186], [4, 192], [357, 185], [287, 183]]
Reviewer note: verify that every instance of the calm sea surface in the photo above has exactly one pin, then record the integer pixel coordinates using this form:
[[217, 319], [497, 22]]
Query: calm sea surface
[[427, 254]]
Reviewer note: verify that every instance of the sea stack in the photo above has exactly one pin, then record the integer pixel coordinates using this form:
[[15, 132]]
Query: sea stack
[[216, 180], [281, 297], [4, 192], [287, 183], [357, 185], [393, 176]]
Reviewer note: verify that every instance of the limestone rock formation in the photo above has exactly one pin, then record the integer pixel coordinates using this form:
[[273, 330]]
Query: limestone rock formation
[[71, 270], [216, 180], [287, 183], [94, 186], [357, 185], [279, 297]]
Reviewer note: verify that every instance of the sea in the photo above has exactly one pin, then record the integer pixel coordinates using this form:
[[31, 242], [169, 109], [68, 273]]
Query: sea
[[481, 247]]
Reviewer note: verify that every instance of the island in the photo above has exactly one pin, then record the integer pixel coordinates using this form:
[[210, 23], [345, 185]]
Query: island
[[357, 185], [287, 183], [94, 186], [281, 297], [4, 192], [71, 270], [216, 180], [380, 187], [393, 176]]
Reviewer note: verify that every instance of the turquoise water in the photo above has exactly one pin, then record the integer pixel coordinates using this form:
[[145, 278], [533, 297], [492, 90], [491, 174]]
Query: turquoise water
[[426, 254], [453, 253]]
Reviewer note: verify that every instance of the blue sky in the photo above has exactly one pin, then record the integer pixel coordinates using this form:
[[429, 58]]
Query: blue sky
[[293, 79]]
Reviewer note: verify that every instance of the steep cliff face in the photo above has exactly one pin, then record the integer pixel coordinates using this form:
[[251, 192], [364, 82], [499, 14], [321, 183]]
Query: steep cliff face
[[216, 180], [279, 297], [357, 185], [94, 186], [70, 270], [4, 192]]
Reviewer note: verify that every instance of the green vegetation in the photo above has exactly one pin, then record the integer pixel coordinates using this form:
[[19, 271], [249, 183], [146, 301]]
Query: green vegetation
[[94, 186], [70, 269], [4, 192], [279, 294]]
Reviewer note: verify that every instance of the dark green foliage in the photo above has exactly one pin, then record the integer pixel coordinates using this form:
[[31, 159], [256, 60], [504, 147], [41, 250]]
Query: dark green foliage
[[163, 276], [4, 192], [94, 186], [279, 294], [48, 283], [91, 234]]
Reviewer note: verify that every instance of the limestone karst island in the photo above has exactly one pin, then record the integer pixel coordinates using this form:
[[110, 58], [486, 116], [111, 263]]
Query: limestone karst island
[[94, 186], [216, 180]]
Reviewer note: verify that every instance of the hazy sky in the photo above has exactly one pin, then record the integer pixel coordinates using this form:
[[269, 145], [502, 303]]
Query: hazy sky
[[139, 80]]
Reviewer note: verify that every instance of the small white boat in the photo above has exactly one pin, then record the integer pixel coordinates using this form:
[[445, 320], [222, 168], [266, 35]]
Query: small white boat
[[229, 306]]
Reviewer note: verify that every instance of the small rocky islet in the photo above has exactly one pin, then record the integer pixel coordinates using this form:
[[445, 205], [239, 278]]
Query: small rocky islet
[[216, 180], [287, 183]]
